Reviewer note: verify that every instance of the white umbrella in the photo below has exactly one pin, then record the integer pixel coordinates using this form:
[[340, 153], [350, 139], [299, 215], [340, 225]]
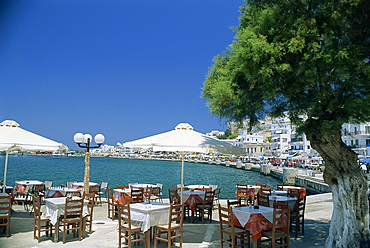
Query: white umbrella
[[184, 140], [12, 138]]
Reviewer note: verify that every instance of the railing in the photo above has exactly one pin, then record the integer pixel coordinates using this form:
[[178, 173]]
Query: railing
[[356, 133]]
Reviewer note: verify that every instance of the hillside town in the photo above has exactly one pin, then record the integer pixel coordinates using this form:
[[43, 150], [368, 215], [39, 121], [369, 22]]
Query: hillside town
[[274, 139]]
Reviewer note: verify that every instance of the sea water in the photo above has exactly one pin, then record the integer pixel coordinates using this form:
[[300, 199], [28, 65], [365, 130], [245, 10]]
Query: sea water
[[123, 171]]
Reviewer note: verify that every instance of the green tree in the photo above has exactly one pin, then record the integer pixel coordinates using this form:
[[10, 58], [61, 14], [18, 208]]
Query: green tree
[[310, 59]]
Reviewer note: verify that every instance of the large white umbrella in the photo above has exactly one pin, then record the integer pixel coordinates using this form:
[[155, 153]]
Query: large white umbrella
[[13, 138], [184, 140]]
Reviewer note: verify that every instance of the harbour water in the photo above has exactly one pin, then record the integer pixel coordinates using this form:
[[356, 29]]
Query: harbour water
[[123, 171]]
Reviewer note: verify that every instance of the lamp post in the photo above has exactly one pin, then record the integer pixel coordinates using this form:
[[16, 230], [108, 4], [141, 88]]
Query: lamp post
[[80, 138]]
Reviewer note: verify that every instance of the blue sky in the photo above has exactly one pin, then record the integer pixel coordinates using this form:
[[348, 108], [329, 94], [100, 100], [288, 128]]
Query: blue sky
[[124, 68]]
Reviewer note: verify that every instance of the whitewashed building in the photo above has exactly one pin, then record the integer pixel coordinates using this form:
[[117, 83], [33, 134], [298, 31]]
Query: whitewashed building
[[357, 137]]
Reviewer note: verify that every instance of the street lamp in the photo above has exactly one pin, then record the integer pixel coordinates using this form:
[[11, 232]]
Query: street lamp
[[80, 138]]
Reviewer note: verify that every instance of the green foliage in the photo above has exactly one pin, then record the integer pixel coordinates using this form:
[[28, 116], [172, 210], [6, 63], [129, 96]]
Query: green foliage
[[310, 58]]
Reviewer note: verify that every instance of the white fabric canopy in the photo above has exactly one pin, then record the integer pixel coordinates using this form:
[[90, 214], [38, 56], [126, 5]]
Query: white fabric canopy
[[184, 140], [12, 137]]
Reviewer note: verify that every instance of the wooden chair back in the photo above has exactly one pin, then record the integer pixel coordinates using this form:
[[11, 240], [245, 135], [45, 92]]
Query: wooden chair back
[[263, 199], [38, 220], [174, 196], [280, 204], [125, 229], [281, 220], [266, 190], [148, 192], [280, 186], [228, 233], [5, 204], [294, 193], [234, 203], [261, 184], [137, 195], [176, 214], [156, 191], [174, 227], [72, 219]]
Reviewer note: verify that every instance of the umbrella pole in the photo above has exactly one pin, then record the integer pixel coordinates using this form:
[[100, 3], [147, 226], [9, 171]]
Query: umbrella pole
[[182, 174], [5, 169], [87, 172]]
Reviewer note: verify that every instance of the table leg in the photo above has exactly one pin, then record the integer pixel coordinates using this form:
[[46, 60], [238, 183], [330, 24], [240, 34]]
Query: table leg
[[56, 232], [147, 238]]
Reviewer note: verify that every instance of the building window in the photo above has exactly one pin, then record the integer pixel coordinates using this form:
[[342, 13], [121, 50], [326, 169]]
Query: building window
[[356, 142]]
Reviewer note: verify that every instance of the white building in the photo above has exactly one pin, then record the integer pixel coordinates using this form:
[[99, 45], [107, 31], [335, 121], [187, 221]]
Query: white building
[[357, 137], [251, 142]]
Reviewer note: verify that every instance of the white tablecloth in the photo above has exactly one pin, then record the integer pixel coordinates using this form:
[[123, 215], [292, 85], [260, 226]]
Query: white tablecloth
[[279, 192], [186, 194], [147, 215], [54, 207], [54, 192], [142, 185], [291, 200], [197, 186], [243, 213]]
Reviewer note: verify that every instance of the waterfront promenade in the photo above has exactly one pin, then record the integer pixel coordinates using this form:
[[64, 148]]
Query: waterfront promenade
[[317, 219]]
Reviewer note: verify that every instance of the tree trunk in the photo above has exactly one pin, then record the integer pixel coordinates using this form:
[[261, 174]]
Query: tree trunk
[[350, 220]]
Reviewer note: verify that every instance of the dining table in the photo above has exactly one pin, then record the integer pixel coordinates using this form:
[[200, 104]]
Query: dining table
[[120, 195], [302, 190], [61, 192], [291, 200], [256, 218], [198, 187], [54, 208], [93, 187], [142, 185], [279, 192], [21, 186], [148, 215]]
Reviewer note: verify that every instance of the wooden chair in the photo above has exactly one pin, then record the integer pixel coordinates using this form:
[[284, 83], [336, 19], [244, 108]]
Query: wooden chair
[[40, 224], [297, 215], [217, 196], [265, 190], [261, 184], [5, 212], [148, 193], [206, 207], [174, 227], [280, 205], [126, 230], [242, 193], [137, 195], [23, 198], [160, 186], [174, 197], [263, 199], [279, 235], [112, 205], [90, 207], [280, 186], [233, 234], [72, 219], [235, 203], [155, 195], [293, 193]]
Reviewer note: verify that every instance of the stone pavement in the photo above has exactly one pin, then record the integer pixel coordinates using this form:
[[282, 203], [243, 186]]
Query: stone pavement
[[317, 219]]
